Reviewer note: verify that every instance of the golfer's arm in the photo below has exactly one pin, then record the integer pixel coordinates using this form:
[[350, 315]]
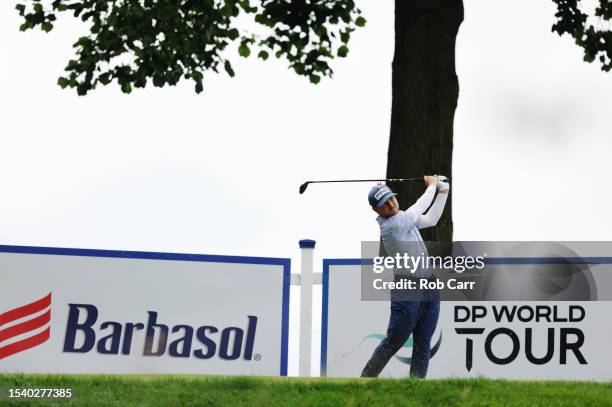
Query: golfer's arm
[[421, 205], [434, 213]]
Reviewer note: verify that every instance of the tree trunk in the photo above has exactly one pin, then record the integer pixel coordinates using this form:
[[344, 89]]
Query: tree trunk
[[425, 91]]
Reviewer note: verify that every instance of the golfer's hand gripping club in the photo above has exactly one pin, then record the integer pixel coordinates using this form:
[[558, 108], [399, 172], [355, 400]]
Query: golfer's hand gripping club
[[443, 184]]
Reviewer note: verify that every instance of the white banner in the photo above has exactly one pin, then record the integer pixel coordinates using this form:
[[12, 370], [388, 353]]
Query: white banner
[[95, 311], [515, 340]]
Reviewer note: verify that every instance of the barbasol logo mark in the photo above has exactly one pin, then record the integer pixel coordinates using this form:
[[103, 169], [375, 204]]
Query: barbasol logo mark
[[183, 341], [381, 192], [25, 327]]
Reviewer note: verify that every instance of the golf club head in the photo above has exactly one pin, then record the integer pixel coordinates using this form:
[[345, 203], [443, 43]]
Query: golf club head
[[304, 186]]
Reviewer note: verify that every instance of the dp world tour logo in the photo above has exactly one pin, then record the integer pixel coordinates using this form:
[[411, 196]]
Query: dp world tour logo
[[408, 344], [20, 327]]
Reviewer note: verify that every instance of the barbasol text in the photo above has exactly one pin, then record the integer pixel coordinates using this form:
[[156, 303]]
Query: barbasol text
[[183, 341]]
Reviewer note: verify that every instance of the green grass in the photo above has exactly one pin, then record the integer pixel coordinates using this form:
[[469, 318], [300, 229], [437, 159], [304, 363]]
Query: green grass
[[164, 390]]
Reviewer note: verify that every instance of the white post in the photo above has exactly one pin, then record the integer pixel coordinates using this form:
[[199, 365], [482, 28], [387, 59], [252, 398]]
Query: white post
[[306, 274]]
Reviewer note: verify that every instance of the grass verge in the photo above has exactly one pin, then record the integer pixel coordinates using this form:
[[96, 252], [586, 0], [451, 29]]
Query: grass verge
[[178, 390]]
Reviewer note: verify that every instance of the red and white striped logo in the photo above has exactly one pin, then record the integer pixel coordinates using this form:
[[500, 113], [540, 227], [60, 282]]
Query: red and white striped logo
[[25, 327]]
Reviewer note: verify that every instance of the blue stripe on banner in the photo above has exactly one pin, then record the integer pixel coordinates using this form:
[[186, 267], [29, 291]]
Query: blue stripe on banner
[[324, 296], [60, 251], [285, 318]]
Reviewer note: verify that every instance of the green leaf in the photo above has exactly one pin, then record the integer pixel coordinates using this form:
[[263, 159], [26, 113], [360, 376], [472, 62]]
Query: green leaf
[[72, 65], [321, 31], [105, 78], [24, 26], [158, 80], [126, 87], [343, 51], [228, 68], [62, 82], [82, 89], [20, 8], [360, 21], [299, 69], [199, 87], [314, 78], [244, 50], [197, 75], [46, 26], [263, 55], [233, 34]]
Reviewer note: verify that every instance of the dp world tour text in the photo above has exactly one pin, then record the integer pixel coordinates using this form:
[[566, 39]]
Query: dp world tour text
[[553, 339], [118, 335]]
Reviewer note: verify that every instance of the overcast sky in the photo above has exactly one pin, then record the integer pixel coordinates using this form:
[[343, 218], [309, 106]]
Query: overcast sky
[[218, 173]]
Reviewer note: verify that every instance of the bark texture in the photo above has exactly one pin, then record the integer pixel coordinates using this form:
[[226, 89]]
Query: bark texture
[[425, 89]]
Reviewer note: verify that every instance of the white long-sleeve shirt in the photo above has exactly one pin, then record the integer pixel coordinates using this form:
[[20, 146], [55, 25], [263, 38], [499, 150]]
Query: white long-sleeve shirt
[[400, 232]]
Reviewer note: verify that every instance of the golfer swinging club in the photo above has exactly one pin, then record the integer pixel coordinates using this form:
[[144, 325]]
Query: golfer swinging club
[[398, 230]]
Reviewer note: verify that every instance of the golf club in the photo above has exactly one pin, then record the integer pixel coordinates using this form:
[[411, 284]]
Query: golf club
[[305, 184]]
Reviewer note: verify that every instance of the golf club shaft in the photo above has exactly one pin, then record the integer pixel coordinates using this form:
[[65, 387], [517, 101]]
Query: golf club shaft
[[367, 180], [305, 184]]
